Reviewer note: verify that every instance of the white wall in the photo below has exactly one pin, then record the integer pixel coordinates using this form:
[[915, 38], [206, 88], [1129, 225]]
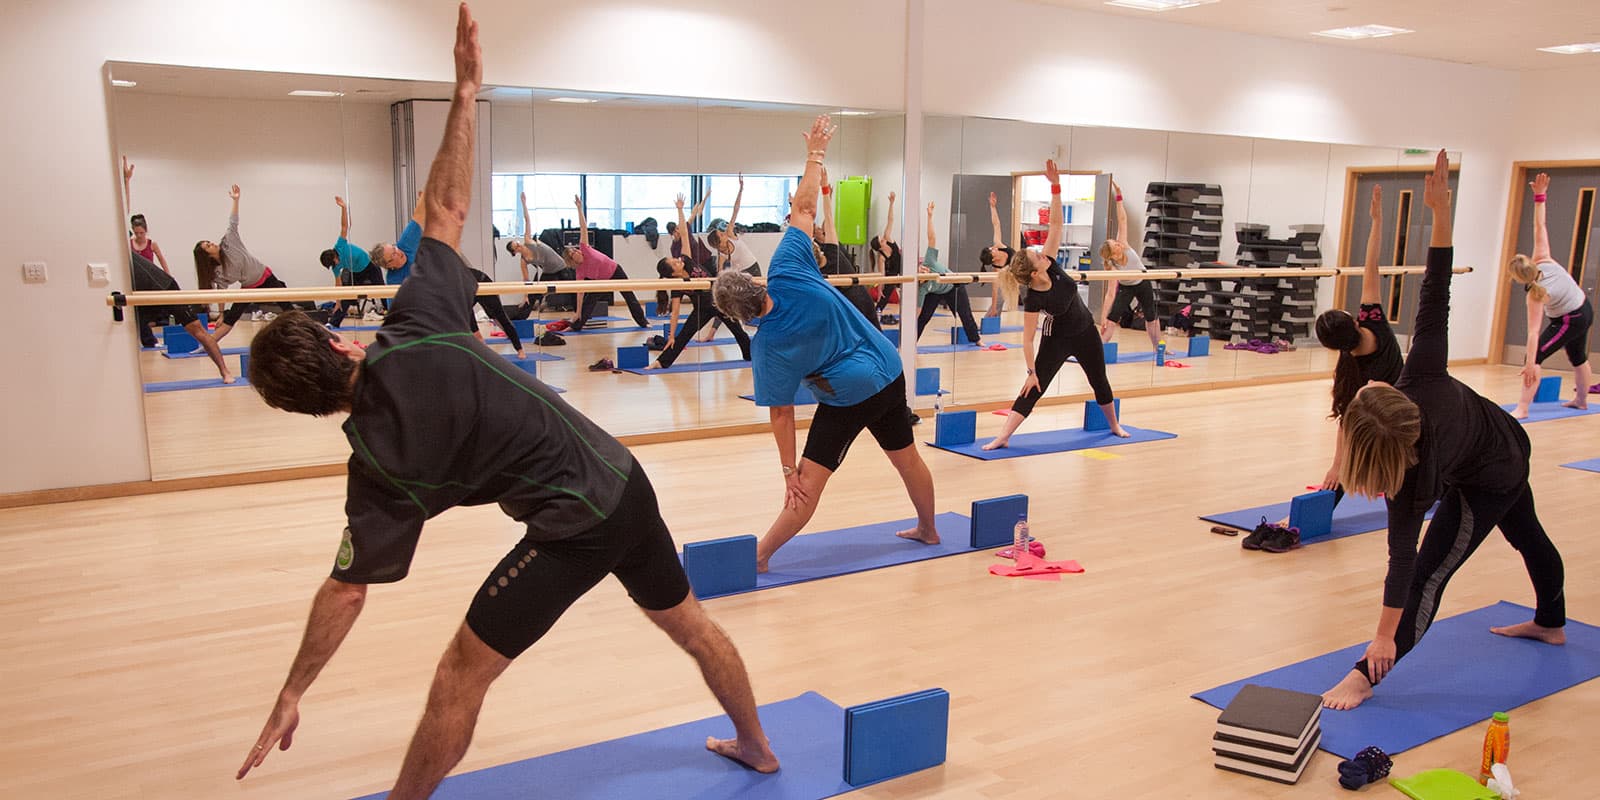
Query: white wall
[[1558, 114]]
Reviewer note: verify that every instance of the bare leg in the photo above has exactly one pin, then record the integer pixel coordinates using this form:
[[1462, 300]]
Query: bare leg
[[1581, 375], [200, 335], [813, 478], [724, 672], [1110, 410], [221, 331], [463, 677], [1354, 690], [1529, 630], [1526, 400], [1154, 329], [919, 485], [1013, 421]]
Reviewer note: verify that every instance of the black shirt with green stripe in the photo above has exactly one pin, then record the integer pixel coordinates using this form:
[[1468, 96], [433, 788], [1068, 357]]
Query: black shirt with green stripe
[[439, 420]]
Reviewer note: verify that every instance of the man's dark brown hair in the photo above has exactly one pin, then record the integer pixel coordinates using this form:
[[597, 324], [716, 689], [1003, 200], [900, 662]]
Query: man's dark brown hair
[[293, 367]]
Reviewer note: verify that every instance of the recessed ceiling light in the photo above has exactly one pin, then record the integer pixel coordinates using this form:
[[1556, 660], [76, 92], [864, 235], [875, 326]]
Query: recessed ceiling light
[[573, 100], [1573, 49], [315, 93], [1158, 5], [1362, 32], [853, 113], [124, 84]]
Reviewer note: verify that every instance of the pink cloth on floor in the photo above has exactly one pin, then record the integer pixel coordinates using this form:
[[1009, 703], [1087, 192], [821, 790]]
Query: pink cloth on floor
[[1029, 565]]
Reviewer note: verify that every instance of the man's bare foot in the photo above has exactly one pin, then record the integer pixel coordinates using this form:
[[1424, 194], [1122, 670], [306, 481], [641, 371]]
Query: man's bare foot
[[1120, 433], [1581, 405], [997, 444], [228, 379], [930, 536], [756, 757], [1519, 413], [1528, 630], [1348, 693], [761, 565]]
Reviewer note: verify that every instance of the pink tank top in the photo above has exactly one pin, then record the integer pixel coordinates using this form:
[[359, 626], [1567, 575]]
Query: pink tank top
[[149, 251]]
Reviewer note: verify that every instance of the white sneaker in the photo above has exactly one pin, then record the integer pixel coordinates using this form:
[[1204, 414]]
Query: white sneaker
[[372, 314], [268, 316], [255, 316]]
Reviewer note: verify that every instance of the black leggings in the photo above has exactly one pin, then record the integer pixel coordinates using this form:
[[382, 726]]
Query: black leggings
[[1463, 521], [1054, 350], [497, 311], [1569, 331], [956, 300], [861, 298], [702, 314], [887, 295], [595, 299], [234, 312]]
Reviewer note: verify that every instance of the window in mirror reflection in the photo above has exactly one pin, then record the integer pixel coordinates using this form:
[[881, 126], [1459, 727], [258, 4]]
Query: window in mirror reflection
[[766, 198], [549, 200]]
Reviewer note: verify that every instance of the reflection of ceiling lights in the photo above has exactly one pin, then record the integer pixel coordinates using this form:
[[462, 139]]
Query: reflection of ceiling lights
[[573, 100], [1158, 5], [853, 113], [315, 93], [124, 84], [1573, 49], [1362, 32]]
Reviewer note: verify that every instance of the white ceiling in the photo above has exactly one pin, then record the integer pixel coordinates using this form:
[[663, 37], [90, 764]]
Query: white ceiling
[[1503, 34]]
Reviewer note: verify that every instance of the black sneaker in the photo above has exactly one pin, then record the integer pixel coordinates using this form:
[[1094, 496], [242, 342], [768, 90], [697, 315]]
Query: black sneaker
[[912, 417], [1257, 536], [1281, 540]]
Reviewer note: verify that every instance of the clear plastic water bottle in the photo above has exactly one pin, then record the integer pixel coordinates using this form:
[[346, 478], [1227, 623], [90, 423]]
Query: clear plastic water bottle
[[1020, 537]]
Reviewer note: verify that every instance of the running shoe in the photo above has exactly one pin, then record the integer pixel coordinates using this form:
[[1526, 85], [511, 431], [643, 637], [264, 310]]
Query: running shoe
[[1257, 536], [1282, 539], [603, 365]]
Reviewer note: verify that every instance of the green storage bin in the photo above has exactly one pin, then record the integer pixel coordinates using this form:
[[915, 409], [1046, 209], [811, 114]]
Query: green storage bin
[[852, 210]]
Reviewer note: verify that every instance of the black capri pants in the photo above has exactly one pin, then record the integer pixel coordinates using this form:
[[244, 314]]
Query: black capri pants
[[541, 578], [1144, 292], [234, 312], [702, 313], [1054, 350], [497, 311], [1570, 332], [835, 428]]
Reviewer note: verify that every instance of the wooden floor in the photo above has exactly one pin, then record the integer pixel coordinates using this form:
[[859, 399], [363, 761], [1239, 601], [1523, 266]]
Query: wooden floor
[[223, 430], [145, 638]]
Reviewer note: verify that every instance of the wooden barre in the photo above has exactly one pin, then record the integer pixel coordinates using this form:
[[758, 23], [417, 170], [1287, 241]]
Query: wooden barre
[[1223, 273]]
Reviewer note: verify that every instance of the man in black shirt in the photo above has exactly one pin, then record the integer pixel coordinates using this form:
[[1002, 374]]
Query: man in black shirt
[[438, 420]]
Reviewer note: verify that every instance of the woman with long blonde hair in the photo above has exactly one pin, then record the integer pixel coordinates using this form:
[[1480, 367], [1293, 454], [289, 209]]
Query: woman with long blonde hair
[[1069, 329], [1431, 438], [1556, 302]]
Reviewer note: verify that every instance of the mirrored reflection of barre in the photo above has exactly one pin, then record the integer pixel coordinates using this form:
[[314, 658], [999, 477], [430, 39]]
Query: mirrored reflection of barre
[[118, 300]]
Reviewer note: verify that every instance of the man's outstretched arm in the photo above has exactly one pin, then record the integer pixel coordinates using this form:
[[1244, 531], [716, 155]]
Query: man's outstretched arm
[[449, 193]]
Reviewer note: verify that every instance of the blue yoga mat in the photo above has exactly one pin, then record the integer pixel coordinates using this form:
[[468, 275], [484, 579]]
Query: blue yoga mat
[[702, 366], [342, 328], [829, 554], [183, 386], [1355, 514], [807, 734], [530, 351], [1592, 465], [1544, 412], [1034, 444], [629, 328], [937, 349], [801, 398], [201, 353], [1458, 675], [715, 342]]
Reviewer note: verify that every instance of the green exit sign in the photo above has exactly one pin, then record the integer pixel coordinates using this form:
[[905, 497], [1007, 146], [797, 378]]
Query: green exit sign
[[1417, 151]]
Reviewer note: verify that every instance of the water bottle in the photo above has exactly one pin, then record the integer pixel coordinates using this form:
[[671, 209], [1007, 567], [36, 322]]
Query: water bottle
[[1161, 353], [1019, 537], [1496, 744]]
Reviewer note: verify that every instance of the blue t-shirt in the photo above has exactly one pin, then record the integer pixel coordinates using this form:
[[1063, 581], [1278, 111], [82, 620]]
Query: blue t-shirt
[[352, 259], [814, 337], [410, 239]]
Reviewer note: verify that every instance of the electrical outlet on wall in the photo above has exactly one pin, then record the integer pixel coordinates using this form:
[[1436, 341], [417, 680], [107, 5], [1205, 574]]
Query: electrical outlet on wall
[[99, 275], [34, 272]]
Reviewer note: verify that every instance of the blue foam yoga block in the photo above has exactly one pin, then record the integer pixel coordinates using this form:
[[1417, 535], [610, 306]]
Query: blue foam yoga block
[[244, 365], [1094, 419], [993, 519], [893, 335], [955, 427], [650, 308], [927, 381], [205, 318], [989, 325], [525, 328], [180, 342], [894, 737], [1549, 390], [1111, 352], [1313, 515], [1199, 346], [721, 566], [637, 357]]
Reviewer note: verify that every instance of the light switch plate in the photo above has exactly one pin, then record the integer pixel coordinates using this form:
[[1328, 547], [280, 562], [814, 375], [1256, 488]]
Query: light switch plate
[[99, 275], [34, 272]]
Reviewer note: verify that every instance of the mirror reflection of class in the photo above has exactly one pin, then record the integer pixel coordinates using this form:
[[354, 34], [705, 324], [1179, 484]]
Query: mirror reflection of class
[[573, 186]]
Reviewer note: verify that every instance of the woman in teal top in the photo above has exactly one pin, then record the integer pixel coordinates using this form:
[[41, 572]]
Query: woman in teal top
[[932, 294]]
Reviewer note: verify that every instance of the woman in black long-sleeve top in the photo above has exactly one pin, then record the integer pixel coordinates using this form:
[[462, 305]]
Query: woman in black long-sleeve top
[[1429, 437]]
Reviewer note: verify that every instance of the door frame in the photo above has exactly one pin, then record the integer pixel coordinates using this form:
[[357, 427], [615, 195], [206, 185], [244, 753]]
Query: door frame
[[1016, 198], [1346, 223], [1508, 248]]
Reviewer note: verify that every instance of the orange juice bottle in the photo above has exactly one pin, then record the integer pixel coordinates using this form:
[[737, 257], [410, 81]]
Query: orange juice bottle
[[1496, 744]]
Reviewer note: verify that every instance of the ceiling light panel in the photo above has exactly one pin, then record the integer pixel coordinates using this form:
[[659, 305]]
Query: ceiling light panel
[[1158, 5], [1362, 32]]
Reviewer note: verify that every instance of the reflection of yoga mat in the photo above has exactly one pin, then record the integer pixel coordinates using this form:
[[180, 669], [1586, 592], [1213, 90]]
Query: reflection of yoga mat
[[1355, 514], [201, 353], [1458, 675], [715, 342], [1146, 355], [807, 734], [356, 328], [1035, 444], [1592, 465], [801, 398], [813, 556], [703, 366], [530, 351], [1543, 412], [183, 386], [937, 349], [629, 328]]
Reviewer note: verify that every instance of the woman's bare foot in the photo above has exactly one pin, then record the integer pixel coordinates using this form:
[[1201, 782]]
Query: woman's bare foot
[[1520, 412], [1348, 693], [997, 444], [1581, 404], [757, 757], [655, 365], [1120, 433], [930, 536], [761, 565], [1528, 630], [521, 355], [228, 379]]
